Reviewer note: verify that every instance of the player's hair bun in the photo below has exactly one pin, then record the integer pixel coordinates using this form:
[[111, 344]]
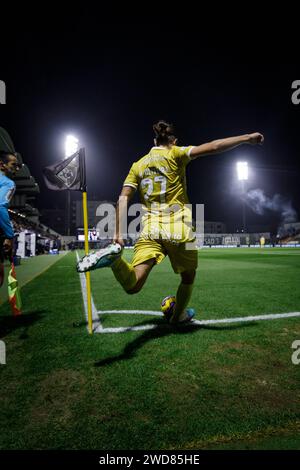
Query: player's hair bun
[[163, 128], [164, 132]]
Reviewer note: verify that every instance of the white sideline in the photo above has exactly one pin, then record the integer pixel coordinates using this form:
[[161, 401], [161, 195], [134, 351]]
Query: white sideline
[[271, 316], [141, 312], [95, 317]]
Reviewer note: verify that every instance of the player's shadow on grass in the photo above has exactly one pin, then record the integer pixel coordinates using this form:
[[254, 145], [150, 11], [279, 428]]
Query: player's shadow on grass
[[162, 330], [9, 323]]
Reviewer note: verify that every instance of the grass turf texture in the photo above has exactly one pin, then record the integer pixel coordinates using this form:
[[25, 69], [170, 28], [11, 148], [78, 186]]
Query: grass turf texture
[[214, 387]]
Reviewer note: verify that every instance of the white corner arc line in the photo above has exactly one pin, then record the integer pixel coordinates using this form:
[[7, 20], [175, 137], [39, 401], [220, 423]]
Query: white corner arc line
[[132, 312], [95, 317], [124, 329]]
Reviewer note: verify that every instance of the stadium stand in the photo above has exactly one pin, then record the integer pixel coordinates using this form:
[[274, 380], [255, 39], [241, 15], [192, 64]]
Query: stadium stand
[[291, 239], [32, 237]]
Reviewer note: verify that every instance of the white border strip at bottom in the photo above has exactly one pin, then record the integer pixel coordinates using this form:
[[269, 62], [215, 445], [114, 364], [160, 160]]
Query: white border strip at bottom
[[271, 316]]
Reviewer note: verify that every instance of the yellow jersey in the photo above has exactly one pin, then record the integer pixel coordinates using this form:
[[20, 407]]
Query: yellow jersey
[[160, 178], [262, 241]]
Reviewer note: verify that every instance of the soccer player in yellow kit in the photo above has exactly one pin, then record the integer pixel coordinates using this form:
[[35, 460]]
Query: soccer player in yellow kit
[[160, 178]]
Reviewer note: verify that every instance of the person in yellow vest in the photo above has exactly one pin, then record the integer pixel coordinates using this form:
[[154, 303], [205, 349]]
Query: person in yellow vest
[[160, 179], [262, 241]]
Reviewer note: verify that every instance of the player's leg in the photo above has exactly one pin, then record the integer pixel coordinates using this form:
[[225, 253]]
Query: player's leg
[[183, 295], [132, 278], [184, 262], [142, 271]]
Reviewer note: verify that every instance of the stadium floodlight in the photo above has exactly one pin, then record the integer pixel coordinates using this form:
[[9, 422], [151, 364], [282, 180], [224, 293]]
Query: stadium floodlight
[[242, 171], [242, 174], [71, 145]]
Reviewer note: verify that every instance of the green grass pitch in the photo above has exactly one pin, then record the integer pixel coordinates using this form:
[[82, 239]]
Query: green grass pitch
[[229, 386]]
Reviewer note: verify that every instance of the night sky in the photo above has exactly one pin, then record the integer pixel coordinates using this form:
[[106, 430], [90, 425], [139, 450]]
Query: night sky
[[108, 80]]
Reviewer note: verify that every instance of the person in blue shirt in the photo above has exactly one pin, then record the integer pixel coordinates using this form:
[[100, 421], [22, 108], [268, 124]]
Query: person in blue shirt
[[8, 167]]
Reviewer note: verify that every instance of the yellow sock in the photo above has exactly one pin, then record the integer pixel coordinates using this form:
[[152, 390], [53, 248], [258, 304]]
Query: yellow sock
[[183, 296], [124, 273]]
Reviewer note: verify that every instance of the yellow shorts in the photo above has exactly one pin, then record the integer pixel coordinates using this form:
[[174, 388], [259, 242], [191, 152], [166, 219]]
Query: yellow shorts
[[181, 258]]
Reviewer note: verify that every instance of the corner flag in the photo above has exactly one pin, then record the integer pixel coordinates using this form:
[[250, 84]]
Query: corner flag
[[70, 174], [67, 174], [14, 295]]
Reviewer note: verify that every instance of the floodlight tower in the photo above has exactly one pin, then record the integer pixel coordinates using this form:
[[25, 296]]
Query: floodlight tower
[[242, 173], [71, 147]]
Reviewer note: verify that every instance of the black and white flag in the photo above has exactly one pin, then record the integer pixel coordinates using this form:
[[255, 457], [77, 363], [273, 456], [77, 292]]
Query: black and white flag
[[67, 174]]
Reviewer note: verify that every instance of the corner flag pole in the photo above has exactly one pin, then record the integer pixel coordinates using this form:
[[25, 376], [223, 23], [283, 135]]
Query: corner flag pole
[[86, 249], [70, 174]]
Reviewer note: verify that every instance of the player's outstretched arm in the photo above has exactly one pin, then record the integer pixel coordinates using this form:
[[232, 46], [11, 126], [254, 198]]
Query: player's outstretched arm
[[121, 212], [222, 145]]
